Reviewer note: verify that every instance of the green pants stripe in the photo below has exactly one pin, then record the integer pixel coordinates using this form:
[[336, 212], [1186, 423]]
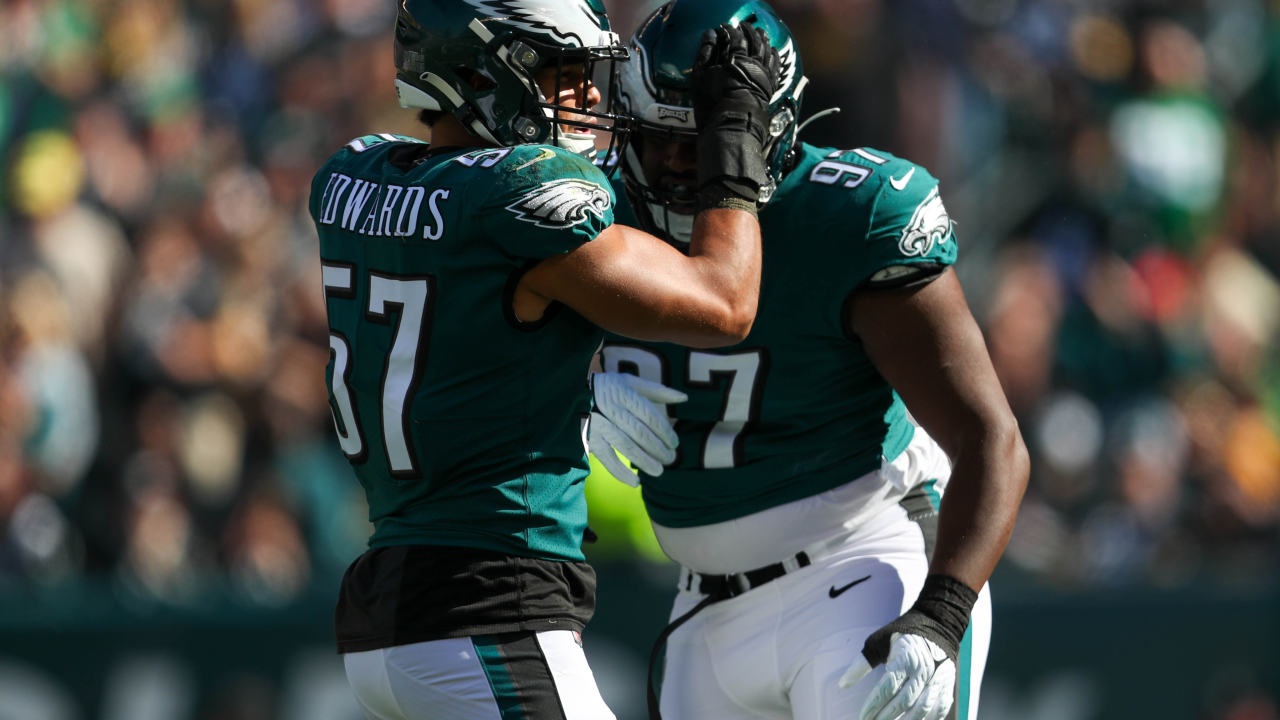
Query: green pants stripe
[[495, 668], [922, 505], [519, 676], [963, 672]]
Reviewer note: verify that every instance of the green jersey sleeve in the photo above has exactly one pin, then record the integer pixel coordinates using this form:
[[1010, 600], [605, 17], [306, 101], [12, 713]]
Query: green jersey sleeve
[[909, 235], [543, 201]]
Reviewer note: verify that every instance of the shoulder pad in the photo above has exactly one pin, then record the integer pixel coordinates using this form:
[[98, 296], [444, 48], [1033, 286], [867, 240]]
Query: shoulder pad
[[542, 200], [889, 207], [862, 169], [539, 160], [364, 142]]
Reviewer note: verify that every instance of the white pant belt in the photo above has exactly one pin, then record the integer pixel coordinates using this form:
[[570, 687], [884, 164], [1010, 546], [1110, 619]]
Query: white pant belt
[[735, 584]]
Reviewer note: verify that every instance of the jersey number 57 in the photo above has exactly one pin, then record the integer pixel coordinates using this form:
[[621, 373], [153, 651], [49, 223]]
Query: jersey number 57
[[406, 304]]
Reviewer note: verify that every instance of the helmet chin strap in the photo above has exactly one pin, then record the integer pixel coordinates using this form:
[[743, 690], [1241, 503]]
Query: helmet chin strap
[[583, 144], [679, 227]]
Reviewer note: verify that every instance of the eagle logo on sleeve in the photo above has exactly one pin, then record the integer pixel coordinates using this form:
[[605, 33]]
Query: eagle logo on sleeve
[[929, 224], [562, 204]]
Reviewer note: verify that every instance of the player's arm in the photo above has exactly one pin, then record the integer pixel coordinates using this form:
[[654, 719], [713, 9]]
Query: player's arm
[[926, 344], [632, 283], [924, 341]]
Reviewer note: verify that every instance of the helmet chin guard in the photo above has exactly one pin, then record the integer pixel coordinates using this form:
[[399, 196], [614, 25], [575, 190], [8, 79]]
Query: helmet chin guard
[[677, 226]]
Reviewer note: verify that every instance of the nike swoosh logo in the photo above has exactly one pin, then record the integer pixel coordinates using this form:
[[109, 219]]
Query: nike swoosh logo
[[834, 593], [900, 184], [545, 154]]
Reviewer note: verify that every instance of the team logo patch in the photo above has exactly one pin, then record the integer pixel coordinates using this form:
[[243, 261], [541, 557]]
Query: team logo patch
[[562, 203], [680, 114], [929, 224]]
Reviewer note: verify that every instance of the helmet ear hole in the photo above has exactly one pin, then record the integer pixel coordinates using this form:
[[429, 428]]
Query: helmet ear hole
[[473, 79]]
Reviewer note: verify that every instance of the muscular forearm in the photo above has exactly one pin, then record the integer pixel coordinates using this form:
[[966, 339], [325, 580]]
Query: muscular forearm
[[636, 285], [726, 250], [929, 348], [980, 505]]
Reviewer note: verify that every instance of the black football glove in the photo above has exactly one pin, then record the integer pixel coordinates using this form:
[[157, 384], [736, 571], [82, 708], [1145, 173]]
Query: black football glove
[[735, 74]]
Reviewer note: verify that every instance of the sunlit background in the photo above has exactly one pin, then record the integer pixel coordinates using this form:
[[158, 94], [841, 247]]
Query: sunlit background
[[174, 510]]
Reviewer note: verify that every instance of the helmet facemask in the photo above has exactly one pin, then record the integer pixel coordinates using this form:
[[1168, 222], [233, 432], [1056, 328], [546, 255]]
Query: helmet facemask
[[654, 90], [659, 202], [528, 56]]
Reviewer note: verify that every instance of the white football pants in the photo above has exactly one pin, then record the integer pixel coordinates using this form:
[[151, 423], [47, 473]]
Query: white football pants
[[516, 676], [777, 651]]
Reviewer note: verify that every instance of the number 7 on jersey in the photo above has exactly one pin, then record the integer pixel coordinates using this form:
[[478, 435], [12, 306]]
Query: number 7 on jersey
[[406, 304], [744, 371]]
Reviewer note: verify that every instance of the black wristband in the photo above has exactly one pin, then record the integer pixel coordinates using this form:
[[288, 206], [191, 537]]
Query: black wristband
[[948, 602], [940, 614], [724, 193], [734, 116], [731, 143]]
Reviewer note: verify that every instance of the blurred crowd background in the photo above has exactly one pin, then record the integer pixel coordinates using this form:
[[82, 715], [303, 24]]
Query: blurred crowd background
[[1112, 166]]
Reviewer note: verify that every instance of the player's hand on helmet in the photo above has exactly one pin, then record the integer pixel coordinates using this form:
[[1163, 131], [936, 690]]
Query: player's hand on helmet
[[734, 76], [735, 64], [918, 683], [627, 420]]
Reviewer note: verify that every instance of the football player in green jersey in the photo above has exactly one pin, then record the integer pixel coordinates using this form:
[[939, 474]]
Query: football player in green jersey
[[467, 284], [823, 531]]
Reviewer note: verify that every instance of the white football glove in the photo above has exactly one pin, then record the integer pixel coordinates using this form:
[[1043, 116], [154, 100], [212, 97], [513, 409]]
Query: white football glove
[[626, 420], [918, 683]]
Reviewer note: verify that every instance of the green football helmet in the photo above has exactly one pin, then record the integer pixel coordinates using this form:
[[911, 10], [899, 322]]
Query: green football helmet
[[441, 46], [655, 90]]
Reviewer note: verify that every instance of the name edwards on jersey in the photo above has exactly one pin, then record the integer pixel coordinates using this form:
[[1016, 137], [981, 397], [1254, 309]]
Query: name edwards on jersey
[[394, 210]]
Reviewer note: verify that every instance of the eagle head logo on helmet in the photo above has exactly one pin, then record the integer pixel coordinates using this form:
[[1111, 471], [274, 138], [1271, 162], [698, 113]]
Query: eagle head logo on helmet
[[573, 22]]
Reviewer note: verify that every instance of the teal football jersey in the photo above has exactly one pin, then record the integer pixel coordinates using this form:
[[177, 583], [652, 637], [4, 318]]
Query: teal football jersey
[[796, 408], [463, 424]]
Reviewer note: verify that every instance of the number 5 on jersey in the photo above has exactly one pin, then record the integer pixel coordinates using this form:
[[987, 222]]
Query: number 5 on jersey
[[406, 304]]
